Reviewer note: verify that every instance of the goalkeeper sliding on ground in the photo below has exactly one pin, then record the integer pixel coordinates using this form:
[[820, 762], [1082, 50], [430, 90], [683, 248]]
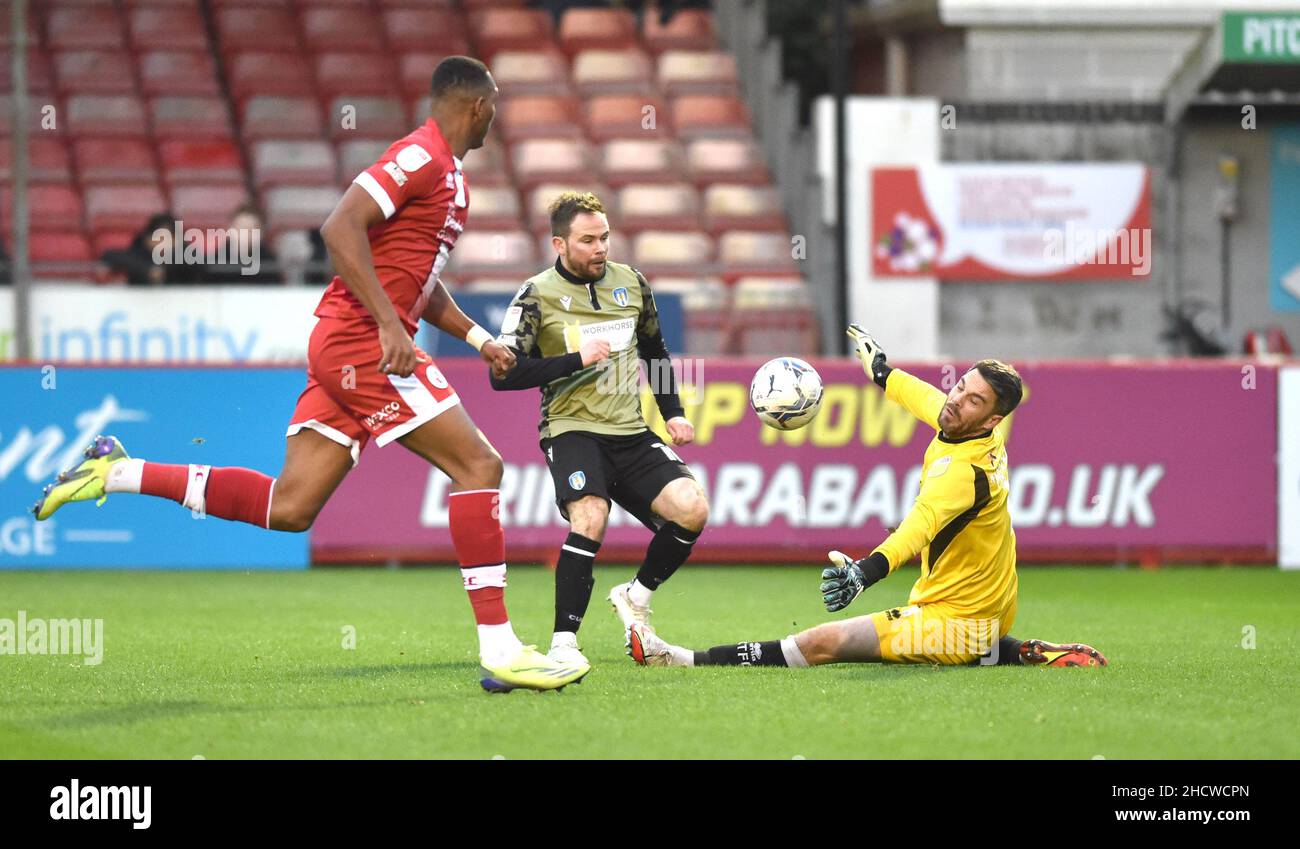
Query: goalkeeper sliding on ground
[[963, 606]]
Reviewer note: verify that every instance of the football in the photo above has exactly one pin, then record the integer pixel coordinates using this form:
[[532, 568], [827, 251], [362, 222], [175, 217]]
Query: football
[[786, 393]]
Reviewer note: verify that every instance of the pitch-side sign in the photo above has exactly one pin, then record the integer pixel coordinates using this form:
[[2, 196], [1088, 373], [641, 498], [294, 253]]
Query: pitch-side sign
[[1288, 468], [1012, 221]]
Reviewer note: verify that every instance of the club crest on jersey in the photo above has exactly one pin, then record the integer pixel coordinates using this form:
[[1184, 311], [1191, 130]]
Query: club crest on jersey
[[578, 480], [620, 296], [565, 301]]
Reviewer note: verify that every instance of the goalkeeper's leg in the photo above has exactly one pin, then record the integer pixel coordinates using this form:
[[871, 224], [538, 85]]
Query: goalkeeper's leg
[[846, 641]]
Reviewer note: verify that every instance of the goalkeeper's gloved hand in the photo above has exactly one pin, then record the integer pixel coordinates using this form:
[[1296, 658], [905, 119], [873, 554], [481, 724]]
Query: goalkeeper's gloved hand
[[871, 354], [844, 581]]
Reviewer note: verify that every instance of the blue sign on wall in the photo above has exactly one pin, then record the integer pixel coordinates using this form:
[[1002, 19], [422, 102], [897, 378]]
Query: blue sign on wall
[[218, 417], [1284, 206]]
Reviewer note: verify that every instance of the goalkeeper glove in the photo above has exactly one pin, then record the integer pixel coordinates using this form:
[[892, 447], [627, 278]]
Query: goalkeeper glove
[[869, 351], [846, 580]]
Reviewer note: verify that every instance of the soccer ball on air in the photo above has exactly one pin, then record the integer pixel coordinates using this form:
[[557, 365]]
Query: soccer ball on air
[[786, 393]]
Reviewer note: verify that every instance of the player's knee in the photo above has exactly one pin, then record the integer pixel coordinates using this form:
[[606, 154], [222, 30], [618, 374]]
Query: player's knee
[[822, 644], [484, 470], [292, 517], [588, 516], [694, 509]]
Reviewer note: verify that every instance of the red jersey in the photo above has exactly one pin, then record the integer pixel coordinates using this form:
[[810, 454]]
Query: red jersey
[[419, 185]]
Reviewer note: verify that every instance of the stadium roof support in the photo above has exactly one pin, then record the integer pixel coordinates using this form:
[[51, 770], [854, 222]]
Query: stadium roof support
[[1244, 59], [21, 269]]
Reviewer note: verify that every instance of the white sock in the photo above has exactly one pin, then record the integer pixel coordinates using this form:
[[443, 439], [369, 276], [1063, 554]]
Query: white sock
[[565, 639], [125, 476], [683, 657], [497, 643], [793, 657], [639, 594]]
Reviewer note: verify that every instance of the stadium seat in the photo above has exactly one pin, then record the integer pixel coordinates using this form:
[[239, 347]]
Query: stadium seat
[[49, 207], [732, 207], [167, 72], [106, 115], [47, 159], [705, 300], [626, 161], [112, 240], [475, 5], [531, 72], [495, 208], [502, 253], [421, 29], [698, 116], [658, 251], [486, 167], [496, 29], [81, 28], [93, 72], [658, 206], [40, 79], [725, 160], [34, 118], [584, 29], [368, 117], [293, 162], [122, 207], [597, 72], [697, 72], [171, 27], [626, 117], [281, 117], [491, 285], [743, 253], [206, 206], [415, 72], [251, 73], [538, 161], [268, 28], [340, 28], [200, 162], [62, 255], [533, 117], [539, 199], [354, 75], [299, 207], [359, 154], [687, 29], [6, 34], [771, 314], [203, 118], [433, 7], [114, 161]]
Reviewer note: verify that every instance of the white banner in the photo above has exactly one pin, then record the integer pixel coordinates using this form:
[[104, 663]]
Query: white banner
[[192, 324], [1288, 468]]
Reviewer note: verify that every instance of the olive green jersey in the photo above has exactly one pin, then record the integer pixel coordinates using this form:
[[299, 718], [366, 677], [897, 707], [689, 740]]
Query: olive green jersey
[[555, 312]]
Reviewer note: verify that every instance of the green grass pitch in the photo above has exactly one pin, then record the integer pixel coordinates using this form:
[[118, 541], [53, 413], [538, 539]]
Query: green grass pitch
[[252, 665]]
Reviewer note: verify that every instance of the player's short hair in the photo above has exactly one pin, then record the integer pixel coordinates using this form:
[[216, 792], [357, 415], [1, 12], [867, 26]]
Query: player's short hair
[[1006, 384], [460, 74], [566, 207]]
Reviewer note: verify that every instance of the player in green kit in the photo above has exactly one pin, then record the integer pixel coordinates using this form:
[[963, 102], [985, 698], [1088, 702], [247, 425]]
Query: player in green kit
[[578, 330]]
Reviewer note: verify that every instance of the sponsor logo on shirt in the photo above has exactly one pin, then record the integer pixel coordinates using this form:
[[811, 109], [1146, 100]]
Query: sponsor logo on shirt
[[618, 333], [565, 301], [395, 171]]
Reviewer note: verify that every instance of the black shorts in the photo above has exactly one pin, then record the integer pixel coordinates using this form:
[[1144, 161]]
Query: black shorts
[[629, 470]]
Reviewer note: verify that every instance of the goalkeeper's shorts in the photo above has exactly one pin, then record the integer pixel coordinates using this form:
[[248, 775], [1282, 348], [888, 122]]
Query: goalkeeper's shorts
[[936, 634]]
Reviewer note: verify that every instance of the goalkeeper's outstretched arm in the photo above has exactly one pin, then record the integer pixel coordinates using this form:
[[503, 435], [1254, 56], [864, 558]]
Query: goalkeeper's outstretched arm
[[920, 398]]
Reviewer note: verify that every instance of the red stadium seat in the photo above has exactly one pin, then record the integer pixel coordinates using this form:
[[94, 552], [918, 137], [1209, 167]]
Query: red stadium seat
[[539, 199], [358, 155], [6, 34], [281, 117], [203, 118], [641, 161], [687, 29], [486, 167], [658, 206], [35, 117], [112, 240], [261, 72], [743, 253], [355, 74], [502, 253], [167, 72], [627, 117], [171, 27], [64, 255], [299, 207], [293, 163], [431, 6], [367, 117], [81, 28], [243, 27], [697, 116], [657, 251], [206, 206], [551, 160], [726, 160], [40, 80], [106, 115], [47, 160], [114, 161], [531, 72], [533, 117], [598, 72], [49, 207], [584, 29], [415, 72], [493, 30], [93, 72], [476, 5], [340, 28], [730, 207], [421, 29], [495, 208], [122, 207], [697, 72], [200, 162]]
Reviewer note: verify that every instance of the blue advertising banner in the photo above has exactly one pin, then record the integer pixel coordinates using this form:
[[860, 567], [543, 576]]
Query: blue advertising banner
[[1284, 212], [213, 416], [489, 309]]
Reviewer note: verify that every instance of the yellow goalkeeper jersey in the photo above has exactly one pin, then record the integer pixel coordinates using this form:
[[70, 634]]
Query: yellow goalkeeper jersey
[[959, 524]]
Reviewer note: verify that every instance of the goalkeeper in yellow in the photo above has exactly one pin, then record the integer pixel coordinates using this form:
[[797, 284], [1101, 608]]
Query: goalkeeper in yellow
[[962, 607]]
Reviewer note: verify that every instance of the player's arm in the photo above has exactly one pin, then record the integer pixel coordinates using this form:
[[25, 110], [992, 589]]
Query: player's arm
[[443, 313], [519, 332], [943, 497], [920, 398], [650, 346]]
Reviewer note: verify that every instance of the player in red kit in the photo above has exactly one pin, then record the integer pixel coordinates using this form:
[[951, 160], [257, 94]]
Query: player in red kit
[[389, 239]]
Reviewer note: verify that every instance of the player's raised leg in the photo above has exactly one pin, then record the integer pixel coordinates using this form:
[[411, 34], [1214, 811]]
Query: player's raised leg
[[451, 442], [846, 641]]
